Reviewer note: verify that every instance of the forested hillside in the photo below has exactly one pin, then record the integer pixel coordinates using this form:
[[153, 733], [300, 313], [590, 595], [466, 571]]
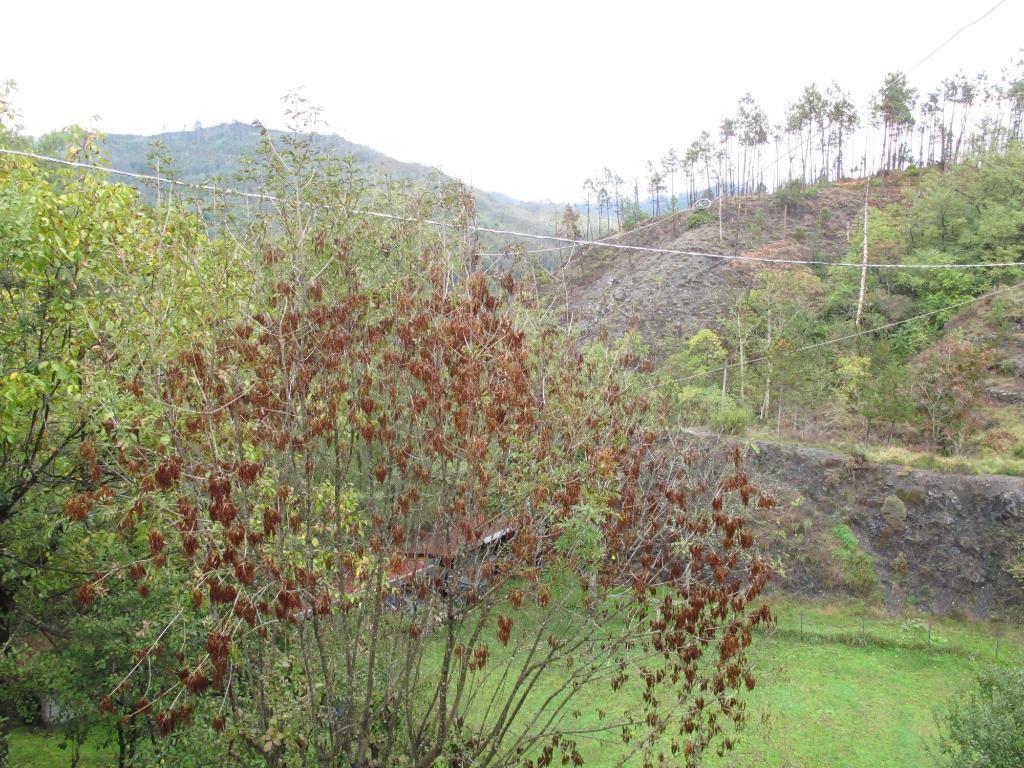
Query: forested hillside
[[822, 135], [746, 344], [754, 303], [218, 153]]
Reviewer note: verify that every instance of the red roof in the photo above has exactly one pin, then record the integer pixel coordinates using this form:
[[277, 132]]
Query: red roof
[[407, 569], [472, 532]]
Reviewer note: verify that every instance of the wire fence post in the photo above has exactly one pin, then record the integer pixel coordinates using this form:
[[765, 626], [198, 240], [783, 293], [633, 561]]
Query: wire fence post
[[801, 625]]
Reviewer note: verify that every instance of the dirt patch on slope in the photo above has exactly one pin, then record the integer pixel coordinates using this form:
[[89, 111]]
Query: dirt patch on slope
[[667, 297]]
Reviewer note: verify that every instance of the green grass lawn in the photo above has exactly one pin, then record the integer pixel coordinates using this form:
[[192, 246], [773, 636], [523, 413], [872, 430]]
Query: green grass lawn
[[860, 688], [38, 748], [855, 689], [825, 704]]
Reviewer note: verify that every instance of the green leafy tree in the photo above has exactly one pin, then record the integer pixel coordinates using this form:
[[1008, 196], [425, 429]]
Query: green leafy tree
[[886, 398], [704, 351], [948, 389], [78, 259], [893, 110], [984, 726], [852, 372]]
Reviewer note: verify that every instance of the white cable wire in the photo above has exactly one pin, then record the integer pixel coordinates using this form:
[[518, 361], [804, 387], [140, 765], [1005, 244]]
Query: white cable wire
[[655, 221], [847, 337], [509, 232]]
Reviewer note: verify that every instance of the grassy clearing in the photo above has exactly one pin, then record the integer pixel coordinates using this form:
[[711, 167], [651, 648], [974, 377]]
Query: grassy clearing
[[860, 688], [839, 684], [990, 462], [839, 705], [854, 688], [964, 465], [38, 748]]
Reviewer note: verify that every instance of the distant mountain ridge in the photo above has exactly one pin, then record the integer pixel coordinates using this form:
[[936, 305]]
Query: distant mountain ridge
[[216, 152]]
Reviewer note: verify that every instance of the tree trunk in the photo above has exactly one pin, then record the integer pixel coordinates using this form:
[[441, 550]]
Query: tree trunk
[[766, 405], [720, 218]]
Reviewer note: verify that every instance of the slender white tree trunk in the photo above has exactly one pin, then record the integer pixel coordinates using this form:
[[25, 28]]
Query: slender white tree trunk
[[864, 258]]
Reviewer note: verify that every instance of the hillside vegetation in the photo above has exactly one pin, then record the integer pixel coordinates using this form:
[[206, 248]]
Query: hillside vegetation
[[943, 375], [286, 482]]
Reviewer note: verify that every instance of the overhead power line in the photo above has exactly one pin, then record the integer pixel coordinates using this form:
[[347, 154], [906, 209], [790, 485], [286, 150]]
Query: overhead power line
[[654, 222], [508, 232], [847, 337]]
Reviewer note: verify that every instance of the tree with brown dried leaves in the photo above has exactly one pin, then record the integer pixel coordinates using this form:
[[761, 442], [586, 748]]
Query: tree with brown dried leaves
[[409, 521]]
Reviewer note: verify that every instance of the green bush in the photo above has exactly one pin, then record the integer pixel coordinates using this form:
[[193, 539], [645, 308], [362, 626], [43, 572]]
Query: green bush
[[984, 726], [899, 565], [858, 566], [894, 513], [1008, 367], [692, 404], [846, 538], [699, 218], [707, 405], [731, 418], [758, 224], [791, 194]]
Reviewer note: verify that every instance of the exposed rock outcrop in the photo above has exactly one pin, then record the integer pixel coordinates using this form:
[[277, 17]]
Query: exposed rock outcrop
[[946, 547]]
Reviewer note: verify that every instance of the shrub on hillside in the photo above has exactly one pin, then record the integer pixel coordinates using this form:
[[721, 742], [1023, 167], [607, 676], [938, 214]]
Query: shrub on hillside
[[707, 405], [730, 417], [699, 218], [792, 193], [856, 565], [894, 514]]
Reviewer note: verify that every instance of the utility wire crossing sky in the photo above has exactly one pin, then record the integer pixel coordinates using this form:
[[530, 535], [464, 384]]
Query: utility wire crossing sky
[[565, 241]]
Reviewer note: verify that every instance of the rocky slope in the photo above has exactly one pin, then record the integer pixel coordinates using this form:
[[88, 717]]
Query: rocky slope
[[939, 541]]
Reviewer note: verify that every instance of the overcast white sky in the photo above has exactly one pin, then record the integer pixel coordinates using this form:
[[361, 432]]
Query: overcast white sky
[[526, 98]]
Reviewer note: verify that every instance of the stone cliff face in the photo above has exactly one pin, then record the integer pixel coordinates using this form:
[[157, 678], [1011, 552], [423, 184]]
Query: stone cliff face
[[924, 538]]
